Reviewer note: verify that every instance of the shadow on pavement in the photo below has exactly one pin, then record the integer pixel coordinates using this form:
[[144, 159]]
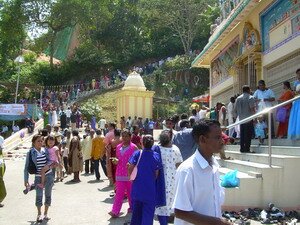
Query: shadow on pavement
[[71, 182], [95, 181], [37, 223], [124, 219], [108, 200], [108, 188]]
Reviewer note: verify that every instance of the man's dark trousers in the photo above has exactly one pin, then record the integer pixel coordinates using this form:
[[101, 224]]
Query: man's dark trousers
[[96, 167], [87, 167], [246, 132]]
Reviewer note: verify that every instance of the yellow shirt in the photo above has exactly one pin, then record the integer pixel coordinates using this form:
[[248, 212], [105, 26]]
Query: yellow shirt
[[98, 147]]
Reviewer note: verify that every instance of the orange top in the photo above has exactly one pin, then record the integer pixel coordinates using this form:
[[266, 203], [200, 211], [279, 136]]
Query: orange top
[[98, 147], [286, 95]]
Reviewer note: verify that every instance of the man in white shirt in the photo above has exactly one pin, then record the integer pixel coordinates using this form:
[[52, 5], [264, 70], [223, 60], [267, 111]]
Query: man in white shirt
[[68, 114], [265, 98], [15, 128], [199, 196], [231, 115], [202, 113], [128, 123]]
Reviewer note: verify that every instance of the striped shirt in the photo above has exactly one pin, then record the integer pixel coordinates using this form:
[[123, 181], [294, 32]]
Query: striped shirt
[[41, 161]]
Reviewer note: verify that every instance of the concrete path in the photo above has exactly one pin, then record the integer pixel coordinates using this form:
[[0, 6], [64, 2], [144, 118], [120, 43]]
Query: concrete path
[[87, 202]]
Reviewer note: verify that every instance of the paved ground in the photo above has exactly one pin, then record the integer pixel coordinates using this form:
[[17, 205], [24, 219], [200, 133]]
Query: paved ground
[[87, 202]]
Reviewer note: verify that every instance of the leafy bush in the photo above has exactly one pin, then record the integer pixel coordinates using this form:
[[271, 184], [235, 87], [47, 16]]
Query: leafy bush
[[90, 109]]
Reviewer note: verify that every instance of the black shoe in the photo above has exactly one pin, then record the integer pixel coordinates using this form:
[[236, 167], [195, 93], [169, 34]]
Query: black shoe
[[39, 219]]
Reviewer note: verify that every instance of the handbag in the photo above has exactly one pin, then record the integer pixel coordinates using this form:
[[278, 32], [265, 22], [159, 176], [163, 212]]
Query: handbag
[[31, 166], [135, 170], [281, 114]]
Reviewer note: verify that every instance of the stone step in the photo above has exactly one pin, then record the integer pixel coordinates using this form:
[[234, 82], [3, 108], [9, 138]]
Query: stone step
[[279, 142], [278, 160], [250, 185], [276, 150], [240, 175], [248, 167], [15, 140]]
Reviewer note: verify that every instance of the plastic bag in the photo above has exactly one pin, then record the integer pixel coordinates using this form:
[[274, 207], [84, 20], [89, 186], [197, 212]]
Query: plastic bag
[[281, 114], [230, 180]]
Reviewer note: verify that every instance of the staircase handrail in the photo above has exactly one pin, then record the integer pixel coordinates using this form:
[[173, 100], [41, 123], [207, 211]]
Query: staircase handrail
[[263, 112]]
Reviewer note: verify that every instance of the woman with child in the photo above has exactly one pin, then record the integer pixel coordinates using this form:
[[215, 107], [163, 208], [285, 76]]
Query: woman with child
[[39, 156]]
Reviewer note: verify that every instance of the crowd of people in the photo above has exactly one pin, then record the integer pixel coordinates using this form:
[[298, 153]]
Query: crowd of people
[[248, 103], [157, 179], [139, 170]]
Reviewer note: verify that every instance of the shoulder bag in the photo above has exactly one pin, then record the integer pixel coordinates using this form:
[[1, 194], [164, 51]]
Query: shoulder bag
[[135, 170]]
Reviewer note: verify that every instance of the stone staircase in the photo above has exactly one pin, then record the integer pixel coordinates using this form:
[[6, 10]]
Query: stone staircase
[[17, 147], [261, 184]]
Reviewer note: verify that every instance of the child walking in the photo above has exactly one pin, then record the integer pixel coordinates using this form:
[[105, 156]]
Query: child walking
[[54, 156], [65, 153], [260, 129]]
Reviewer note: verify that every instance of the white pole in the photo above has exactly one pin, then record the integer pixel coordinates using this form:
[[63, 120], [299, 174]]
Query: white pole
[[270, 138], [19, 60], [17, 88]]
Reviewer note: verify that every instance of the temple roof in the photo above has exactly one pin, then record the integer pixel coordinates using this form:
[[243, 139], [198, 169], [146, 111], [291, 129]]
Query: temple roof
[[235, 17], [134, 81]]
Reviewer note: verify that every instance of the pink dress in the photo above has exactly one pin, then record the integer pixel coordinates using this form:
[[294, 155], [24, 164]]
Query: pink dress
[[52, 154], [123, 185]]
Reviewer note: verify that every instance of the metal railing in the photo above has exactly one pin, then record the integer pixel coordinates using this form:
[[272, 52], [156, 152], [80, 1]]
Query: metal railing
[[263, 112]]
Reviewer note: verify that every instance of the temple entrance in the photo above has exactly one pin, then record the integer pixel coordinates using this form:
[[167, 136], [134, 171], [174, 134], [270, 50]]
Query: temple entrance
[[248, 63]]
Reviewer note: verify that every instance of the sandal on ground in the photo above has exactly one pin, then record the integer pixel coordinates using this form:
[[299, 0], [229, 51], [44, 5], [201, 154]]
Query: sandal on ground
[[46, 217], [39, 219]]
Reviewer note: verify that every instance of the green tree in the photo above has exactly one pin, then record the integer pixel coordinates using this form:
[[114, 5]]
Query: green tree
[[12, 31], [184, 17], [53, 17]]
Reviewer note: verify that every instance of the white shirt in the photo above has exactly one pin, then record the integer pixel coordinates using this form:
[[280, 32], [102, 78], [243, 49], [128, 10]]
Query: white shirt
[[15, 128], [65, 152], [102, 123], [202, 114], [68, 113], [266, 94], [128, 123], [231, 111], [1, 141], [198, 188], [196, 118]]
